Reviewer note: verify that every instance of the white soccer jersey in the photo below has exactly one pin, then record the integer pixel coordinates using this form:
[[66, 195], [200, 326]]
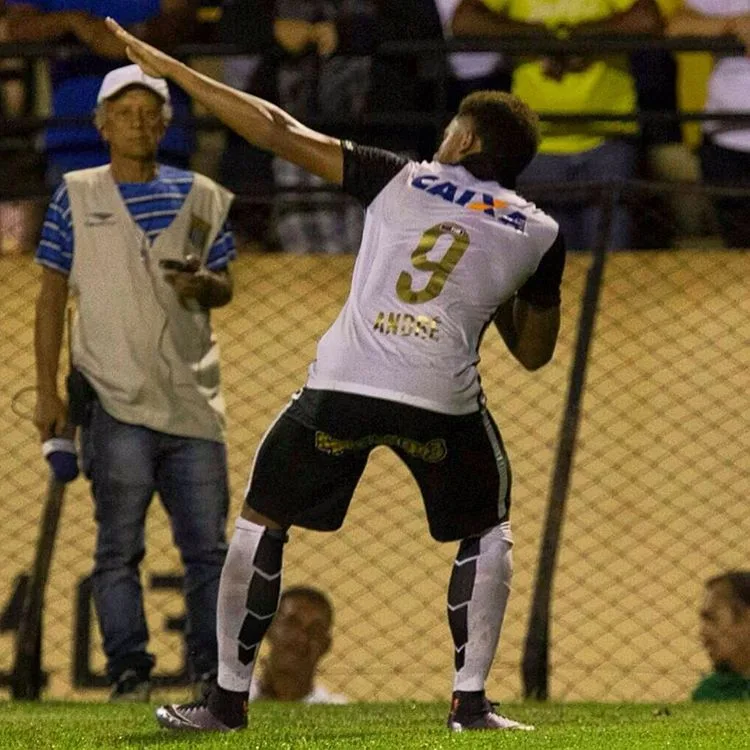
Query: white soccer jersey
[[440, 251]]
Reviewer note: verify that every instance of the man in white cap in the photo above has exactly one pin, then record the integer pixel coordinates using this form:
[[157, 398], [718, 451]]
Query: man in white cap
[[75, 80], [145, 248]]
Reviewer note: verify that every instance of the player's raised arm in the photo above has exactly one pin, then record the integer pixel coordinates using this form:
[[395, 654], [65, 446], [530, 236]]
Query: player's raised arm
[[261, 123]]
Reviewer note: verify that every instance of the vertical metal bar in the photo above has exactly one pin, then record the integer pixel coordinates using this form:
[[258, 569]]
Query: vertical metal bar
[[535, 663]]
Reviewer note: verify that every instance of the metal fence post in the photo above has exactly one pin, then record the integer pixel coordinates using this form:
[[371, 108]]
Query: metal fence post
[[535, 662]]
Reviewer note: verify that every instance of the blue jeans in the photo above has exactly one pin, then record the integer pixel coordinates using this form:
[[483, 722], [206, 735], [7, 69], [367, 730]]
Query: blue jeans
[[126, 465], [614, 161]]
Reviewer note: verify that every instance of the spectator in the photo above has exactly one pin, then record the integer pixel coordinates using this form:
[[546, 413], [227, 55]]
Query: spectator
[[664, 156], [146, 360], [406, 83], [471, 71], [243, 168], [299, 637], [315, 83], [725, 632], [75, 81], [396, 368], [725, 152], [21, 165], [576, 84], [314, 70]]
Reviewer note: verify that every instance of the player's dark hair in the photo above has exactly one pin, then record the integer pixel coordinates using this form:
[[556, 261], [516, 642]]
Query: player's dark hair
[[313, 595], [738, 582], [507, 127]]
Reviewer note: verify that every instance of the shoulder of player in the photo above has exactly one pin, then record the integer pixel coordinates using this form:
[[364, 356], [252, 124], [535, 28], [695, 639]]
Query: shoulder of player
[[518, 202], [531, 209]]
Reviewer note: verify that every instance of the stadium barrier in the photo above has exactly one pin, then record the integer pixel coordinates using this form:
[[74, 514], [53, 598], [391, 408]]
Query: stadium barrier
[[654, 495], [630, 476]]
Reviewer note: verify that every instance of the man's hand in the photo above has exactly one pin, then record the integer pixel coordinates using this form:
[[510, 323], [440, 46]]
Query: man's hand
[[257, 120], [92, 32], [197, 283], [740, 27], [326, 38], [293, 35], [50, 415], [556, 66], [153, 62], [187, 281]]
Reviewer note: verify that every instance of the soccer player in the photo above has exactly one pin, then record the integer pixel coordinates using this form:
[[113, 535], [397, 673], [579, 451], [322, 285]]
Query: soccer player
[[448, 248]]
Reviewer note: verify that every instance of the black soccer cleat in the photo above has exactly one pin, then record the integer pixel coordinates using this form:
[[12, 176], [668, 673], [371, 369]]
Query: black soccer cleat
[[198, 717], [471, 712]]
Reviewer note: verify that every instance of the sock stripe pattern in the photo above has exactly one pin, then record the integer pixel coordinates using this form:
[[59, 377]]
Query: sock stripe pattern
[[459, 595], [477, 598], [262, 595]]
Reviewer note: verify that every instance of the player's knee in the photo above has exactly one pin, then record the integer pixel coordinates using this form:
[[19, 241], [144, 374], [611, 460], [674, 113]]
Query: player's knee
[[495, 542], [499, 541], [254, 517]]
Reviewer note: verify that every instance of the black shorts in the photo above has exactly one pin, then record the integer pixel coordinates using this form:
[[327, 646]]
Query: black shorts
[[308, 464]]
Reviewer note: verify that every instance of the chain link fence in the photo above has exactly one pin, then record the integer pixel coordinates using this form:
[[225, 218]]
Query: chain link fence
[[657, 500]]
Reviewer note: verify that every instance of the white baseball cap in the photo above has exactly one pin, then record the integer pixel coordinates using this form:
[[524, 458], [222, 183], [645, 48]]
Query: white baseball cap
[[130, 75]]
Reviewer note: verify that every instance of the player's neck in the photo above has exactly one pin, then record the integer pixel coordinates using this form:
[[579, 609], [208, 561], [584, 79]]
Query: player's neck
[[133, 170]]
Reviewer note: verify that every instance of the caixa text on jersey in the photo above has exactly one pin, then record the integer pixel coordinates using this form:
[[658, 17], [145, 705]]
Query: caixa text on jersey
[[472, 200]]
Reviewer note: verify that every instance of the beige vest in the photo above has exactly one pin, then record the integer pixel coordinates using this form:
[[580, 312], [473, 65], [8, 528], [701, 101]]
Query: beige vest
[[151, 361]]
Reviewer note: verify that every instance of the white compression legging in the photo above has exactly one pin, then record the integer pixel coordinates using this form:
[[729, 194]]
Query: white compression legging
[[477, 598], [252, 570]]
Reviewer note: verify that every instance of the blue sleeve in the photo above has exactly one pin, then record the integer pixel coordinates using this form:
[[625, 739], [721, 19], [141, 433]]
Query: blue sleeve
[[125, 12], [55, 249], [223, 250]]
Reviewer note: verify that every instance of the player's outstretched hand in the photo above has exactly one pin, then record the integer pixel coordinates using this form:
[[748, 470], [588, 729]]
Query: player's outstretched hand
[[152, 61]]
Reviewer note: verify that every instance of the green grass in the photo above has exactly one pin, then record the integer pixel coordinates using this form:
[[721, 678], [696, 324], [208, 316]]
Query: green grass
[[383, 726]]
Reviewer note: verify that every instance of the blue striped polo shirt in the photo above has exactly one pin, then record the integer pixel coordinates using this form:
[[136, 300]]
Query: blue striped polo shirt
[[153, 205]]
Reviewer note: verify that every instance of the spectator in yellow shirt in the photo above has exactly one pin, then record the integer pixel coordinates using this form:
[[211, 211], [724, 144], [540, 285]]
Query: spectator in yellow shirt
[[725, 151], [573, 152]]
